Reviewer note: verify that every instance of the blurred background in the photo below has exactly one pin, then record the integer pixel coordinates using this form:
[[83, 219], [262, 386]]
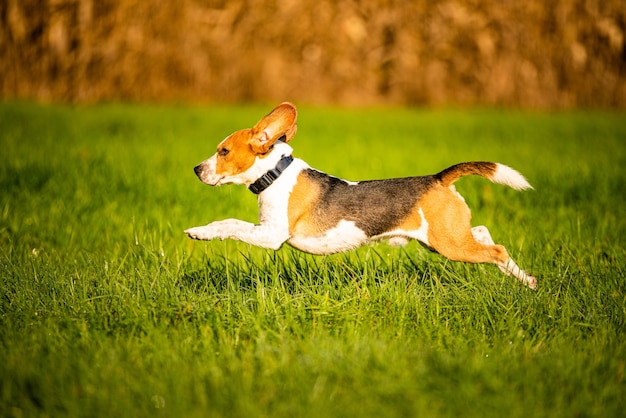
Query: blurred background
[[531, 54]]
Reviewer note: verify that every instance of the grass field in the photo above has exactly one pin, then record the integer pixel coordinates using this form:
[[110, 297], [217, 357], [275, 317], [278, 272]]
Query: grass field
[[108, 310]]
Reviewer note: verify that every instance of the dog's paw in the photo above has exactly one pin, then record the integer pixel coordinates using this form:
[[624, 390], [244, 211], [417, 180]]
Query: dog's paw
[[531, 282], [198, 232]]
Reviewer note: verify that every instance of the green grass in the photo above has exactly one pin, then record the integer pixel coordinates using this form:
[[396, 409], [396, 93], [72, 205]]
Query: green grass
[[107, 309]]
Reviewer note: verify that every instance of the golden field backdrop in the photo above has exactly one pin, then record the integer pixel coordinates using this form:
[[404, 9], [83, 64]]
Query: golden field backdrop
[[533, 54]]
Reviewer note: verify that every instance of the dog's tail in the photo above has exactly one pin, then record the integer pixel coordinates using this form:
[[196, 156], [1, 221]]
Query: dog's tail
[[497, 173]]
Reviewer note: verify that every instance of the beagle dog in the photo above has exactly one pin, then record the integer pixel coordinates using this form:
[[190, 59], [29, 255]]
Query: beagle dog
[[321, 214]]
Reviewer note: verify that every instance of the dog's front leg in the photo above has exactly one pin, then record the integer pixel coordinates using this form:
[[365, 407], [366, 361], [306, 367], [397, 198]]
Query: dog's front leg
[[264, 235]]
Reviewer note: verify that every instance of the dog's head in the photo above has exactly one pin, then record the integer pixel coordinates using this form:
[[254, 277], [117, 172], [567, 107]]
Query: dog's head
[[247, 154]]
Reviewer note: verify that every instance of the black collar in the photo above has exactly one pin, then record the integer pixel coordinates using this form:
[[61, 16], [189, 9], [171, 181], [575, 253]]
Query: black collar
[[268, 178]]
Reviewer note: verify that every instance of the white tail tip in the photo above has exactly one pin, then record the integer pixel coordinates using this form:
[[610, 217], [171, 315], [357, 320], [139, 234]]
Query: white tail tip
[[510, 177]]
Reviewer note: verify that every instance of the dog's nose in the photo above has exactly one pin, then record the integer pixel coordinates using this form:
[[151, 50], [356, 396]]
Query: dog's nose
[[198, 170]]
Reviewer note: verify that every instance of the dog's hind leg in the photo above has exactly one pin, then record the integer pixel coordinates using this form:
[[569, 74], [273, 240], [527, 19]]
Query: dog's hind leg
[[509, 267]]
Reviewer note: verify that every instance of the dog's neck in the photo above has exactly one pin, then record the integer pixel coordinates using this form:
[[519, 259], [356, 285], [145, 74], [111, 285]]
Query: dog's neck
[[270, 176]]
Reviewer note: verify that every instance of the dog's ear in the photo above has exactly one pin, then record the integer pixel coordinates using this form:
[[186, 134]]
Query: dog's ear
[[280, 123]]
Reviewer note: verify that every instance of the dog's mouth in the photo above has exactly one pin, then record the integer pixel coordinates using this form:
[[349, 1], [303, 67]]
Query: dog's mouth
[[207, 174], [217, 182], [211, 180], [206, 177]]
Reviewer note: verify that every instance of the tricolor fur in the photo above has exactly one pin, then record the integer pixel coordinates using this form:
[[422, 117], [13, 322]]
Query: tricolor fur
[[321, 214]]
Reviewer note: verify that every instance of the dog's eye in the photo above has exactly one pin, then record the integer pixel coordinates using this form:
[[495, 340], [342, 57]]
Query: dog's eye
[[223, 152]]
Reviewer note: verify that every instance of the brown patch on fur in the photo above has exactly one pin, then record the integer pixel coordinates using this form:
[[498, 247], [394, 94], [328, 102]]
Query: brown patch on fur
[[237, 153], [451, 174], [449, 229], [301, 210], [413, 221], [239, 157]]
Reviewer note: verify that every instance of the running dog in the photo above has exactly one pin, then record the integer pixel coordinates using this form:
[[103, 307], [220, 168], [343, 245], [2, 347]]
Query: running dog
[[321, 214]]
